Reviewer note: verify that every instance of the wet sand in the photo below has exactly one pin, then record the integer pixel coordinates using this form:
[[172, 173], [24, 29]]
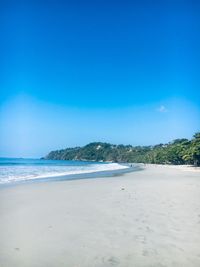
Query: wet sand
[[146, 218]]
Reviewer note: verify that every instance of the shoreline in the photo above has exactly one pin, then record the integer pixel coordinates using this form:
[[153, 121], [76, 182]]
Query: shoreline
[[132, 167], [78, 176], [143, 218]]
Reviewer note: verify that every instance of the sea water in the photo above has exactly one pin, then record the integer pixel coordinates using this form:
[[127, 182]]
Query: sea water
[[14, 170]]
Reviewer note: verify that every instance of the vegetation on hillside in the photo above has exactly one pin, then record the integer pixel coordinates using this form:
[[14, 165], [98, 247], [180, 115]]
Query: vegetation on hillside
[[180, 151]]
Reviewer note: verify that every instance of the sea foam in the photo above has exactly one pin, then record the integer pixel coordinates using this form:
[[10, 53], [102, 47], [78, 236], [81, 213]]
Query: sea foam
[[16, 170]]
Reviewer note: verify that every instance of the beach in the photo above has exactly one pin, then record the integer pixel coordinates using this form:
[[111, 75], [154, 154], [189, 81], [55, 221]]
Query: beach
[[146, 218]]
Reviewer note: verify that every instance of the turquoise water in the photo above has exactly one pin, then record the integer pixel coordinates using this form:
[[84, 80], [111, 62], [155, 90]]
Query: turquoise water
[[14, 170]]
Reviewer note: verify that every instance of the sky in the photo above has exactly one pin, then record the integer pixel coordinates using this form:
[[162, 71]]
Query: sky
[[75, 72]]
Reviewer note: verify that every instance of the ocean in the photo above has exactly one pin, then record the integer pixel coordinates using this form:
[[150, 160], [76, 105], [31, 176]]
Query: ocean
[[15, 170]]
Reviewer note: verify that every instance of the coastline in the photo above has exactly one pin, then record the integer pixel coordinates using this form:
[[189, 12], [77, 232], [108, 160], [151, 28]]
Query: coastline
[[92, 174], [78, 176], [143, 218]]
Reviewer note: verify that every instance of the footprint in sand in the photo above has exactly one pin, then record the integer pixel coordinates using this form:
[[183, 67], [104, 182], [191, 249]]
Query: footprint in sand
[[112, 261], [148, 229], [145, 253]]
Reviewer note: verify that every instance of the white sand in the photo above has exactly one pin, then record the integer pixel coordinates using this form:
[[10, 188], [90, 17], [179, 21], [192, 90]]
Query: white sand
[[153, 222]]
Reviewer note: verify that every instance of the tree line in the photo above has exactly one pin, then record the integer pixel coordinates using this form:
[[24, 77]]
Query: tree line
[[179, 151]]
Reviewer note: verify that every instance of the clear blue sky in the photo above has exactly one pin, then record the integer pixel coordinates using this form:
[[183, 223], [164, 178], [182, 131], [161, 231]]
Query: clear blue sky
[[73, 72]]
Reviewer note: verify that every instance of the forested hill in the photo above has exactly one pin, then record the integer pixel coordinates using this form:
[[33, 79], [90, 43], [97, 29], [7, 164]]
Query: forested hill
[[179, 151]]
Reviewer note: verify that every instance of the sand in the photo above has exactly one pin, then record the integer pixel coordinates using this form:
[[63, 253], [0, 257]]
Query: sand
[[145, 218]]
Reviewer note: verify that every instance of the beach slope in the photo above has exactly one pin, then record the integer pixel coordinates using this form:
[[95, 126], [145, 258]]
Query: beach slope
[[145, 218]]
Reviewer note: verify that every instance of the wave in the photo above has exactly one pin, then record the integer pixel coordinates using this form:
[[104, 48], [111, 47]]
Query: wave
[[12, 174]]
